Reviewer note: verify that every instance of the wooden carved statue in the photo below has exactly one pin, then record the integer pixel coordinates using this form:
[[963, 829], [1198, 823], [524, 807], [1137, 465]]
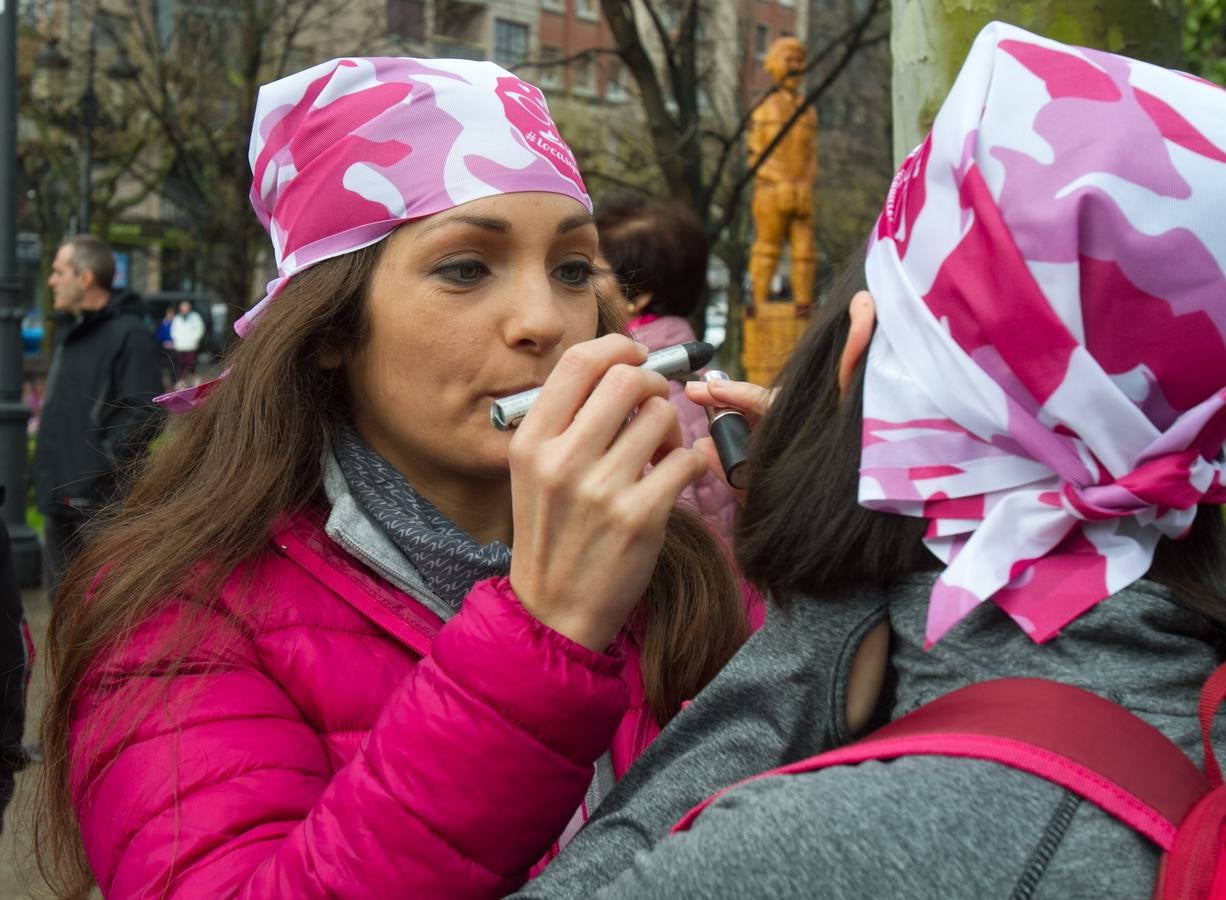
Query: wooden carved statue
[[783, 188]]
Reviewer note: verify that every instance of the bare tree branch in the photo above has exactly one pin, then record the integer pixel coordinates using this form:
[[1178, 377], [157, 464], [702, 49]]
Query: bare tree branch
[[854, 44], [666, 39], [663, 127], [731, 141]]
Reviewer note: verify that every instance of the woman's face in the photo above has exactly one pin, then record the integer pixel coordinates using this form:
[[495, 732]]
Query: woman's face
[[463, 307]]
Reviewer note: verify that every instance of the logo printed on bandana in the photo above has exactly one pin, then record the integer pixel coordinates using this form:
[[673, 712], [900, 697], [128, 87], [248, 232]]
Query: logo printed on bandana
[[906, 198], [525, 108]]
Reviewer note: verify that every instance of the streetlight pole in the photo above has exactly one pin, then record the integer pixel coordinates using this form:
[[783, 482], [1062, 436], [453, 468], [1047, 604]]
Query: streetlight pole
[[89, 120], [14, 414]]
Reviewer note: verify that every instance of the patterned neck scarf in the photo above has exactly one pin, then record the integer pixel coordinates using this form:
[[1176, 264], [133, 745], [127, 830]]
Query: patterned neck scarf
[[446, 556], [1047, 382]]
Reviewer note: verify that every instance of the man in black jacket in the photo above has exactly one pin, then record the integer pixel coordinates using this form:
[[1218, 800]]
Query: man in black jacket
[[97, 415]]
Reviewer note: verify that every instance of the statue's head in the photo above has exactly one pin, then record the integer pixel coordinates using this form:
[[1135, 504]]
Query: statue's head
[[786, 55]]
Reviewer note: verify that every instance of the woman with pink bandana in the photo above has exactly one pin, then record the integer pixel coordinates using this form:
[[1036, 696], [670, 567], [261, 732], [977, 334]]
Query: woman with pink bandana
[[1031, 408], [344, 638]]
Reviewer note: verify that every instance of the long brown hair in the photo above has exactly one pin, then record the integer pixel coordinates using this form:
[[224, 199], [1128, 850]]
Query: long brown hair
[[803, 533], [222, 476]]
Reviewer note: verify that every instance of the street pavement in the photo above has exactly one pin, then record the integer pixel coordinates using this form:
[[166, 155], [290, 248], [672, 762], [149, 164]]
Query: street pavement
[[19, 879]]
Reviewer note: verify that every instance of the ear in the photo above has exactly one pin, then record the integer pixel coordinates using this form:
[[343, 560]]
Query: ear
[[88, 279], [639, 303], [863, 313]]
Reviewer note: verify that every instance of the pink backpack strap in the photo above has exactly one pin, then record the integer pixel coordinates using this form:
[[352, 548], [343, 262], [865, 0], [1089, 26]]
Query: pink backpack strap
[[1061, 733], [1194, 867], [1211, 697]]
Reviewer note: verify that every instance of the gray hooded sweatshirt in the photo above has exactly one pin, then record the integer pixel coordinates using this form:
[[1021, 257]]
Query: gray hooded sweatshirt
[[918, 827]]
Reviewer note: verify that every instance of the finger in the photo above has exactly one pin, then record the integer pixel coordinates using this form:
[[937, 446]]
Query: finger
[[622, 391], [661, 487], [572, 380], [706, 447], [750, 399], [654, 432]]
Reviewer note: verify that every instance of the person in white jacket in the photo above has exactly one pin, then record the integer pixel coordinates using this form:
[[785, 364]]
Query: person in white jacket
[[186, 333]]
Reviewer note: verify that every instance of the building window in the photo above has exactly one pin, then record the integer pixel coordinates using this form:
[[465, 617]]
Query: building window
[[614, 86], [583, 76], [407, 19], [550, 73], [558, 6], [587, 9], [510, 43], [762, 39]]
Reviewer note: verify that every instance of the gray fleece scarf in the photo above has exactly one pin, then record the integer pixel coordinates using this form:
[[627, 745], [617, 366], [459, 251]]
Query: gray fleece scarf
[[446, 556]]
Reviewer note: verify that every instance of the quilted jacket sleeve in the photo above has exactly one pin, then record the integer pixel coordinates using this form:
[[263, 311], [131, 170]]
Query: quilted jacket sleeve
[[222, 789]]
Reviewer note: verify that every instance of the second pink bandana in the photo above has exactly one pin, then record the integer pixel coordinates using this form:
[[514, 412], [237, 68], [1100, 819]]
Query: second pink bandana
[[1047, 383]]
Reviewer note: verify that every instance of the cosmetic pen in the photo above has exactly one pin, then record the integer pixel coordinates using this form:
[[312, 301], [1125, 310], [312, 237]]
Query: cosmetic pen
[[730, 432], [671, 362]]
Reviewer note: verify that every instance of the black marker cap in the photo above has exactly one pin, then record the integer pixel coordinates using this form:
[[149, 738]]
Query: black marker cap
[[699, 352]]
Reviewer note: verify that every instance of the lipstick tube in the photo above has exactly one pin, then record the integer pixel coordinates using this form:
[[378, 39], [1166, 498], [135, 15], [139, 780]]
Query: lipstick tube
[[730, 431]]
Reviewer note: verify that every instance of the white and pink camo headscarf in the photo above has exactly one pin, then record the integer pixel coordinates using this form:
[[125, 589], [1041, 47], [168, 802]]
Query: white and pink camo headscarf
[[1047, 382], [346, 151]]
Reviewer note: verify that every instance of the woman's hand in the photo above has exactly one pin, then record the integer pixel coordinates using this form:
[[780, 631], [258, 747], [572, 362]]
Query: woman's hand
[[748, 399], [589, 520]]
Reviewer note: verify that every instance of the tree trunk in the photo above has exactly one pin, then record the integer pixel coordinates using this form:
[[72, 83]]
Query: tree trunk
[[930, 39]]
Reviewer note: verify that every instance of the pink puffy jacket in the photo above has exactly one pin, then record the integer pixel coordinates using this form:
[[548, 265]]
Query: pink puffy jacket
[[709, 496], [327, 736]]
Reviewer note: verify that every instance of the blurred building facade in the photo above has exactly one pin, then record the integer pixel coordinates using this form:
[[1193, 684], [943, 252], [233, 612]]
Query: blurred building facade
[[145, 211]]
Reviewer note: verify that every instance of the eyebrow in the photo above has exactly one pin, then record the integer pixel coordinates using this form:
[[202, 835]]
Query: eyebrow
[[575, 221], [502, 226]]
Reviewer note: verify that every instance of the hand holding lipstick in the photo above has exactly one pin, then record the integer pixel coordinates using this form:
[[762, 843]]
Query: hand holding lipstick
[[589, 512], [720, 394]]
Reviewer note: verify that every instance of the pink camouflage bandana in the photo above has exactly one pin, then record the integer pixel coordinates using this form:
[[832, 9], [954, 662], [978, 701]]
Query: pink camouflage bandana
[[1047, 382], [346, 151]]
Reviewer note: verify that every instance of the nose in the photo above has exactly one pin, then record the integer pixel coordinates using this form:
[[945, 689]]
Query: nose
[[533, 321]]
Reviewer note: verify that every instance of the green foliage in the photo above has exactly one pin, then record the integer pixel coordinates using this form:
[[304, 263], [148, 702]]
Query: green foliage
[[1204, 38]]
